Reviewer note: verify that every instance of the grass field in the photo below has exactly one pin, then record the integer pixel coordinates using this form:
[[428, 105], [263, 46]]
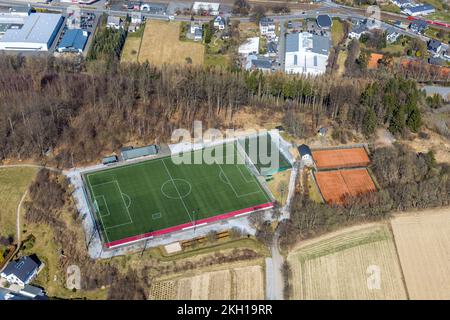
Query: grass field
[[161, 45], [337, 31], [156, 195], [130, 52], [239, 281], [423, 244], [340, 266], [13, 183]]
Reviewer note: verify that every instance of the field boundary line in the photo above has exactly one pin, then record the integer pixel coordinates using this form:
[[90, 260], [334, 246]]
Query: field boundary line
[[107, 208], [184, 204], [232, 187], [101, 219]]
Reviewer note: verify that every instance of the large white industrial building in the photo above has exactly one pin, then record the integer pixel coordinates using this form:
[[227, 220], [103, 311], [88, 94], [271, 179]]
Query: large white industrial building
[[306, 53], [37, 33]]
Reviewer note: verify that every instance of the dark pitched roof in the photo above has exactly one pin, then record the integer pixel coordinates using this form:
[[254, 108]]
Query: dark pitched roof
[[324, 21], [22, 268], [433, 45], [304, 150], [266, 21], [262, 63]]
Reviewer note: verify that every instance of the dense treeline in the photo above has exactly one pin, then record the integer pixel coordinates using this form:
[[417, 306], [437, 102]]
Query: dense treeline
[[394, 103], [74, 112], [407, 180]]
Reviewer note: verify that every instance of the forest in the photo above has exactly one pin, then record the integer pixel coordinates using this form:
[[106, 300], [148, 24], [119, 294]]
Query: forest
[[73, 112]]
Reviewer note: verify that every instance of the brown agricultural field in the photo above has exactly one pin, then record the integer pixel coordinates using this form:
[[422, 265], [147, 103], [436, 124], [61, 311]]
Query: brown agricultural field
[[345, 264], [238, 281], [423, 244], [161, 45]]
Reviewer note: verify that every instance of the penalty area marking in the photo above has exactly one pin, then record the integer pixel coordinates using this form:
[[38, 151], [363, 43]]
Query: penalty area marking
[[232, 187], [98, 208], [123, 201]]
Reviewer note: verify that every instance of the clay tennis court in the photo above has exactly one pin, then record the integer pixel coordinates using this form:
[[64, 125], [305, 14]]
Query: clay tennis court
[[335, 185], [340, 158]]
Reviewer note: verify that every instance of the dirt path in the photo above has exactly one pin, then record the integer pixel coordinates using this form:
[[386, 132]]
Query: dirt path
[[19, 207]]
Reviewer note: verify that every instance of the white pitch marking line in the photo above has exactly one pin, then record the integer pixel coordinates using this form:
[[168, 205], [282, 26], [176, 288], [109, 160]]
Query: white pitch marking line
[[177, 191]]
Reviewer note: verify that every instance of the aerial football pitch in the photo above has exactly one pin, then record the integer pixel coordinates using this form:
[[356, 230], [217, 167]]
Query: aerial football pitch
[[154, 197]]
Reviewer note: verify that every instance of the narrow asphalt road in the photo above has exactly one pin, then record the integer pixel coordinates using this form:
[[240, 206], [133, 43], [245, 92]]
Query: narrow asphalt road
[[274, 276]]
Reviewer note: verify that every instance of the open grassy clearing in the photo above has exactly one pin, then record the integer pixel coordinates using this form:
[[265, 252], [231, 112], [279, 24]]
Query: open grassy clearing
[[337, 31], [161, 45], [279, 185], [423, 244], [13, 184], [130, 51], [241, 281], [340, 266], [341, 62]]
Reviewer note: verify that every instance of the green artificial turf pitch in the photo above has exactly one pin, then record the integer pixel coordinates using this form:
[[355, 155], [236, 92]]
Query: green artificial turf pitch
[[156, 194], [258, 157]]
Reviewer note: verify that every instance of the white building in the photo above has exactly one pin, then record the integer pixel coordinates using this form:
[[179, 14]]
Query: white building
[[267, 27], [210, 7], [251, 45], [36, 34], [419, 10], [219, 23], [306, 53], [114, 22]]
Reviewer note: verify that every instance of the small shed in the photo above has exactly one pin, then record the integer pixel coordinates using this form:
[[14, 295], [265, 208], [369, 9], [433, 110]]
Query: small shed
[[109, 160], [305, 154]]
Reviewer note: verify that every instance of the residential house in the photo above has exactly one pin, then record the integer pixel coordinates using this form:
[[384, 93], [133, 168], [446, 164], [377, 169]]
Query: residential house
[[219, 23], [21, 271], [305, 155], [437, 61], [136, 18], [392, 35], [418, 26], [114, 22], [198, 34], [255, 62], [434, 47], [419, 10], [357, 30], [306, 53], [402, 3], [267, 27]]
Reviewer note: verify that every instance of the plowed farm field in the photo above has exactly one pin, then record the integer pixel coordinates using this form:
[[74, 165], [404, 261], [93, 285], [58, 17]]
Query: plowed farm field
[[241, 283], [354, 263], [423, 244]]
